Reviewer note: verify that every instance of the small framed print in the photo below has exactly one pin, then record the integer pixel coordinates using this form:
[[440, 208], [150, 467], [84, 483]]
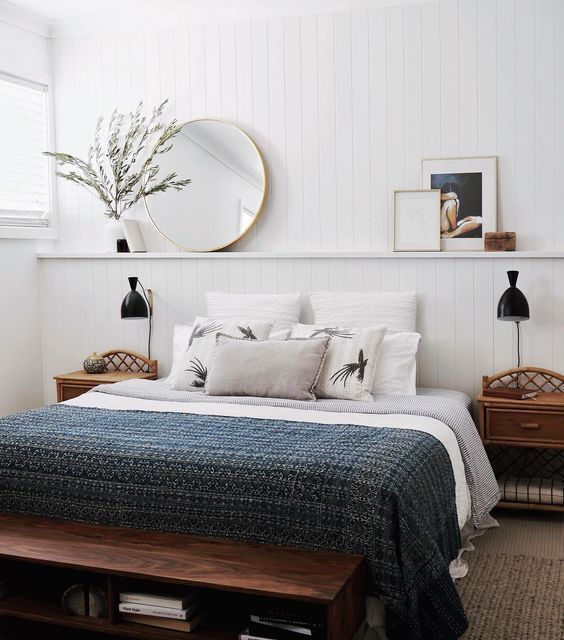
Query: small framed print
[[416, 224], [468, 199]]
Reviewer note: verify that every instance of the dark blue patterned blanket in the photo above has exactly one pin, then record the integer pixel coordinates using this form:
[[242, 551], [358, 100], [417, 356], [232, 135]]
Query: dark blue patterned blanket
[[387, 494]]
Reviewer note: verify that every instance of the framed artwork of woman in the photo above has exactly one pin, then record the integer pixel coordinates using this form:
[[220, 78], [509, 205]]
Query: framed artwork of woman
[[468, 207]]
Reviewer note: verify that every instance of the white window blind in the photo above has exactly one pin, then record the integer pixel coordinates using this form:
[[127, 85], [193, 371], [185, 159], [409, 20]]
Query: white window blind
[[25, 194]]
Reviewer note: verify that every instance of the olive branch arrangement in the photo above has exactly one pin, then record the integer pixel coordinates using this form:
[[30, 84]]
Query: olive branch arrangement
[[115, 171]]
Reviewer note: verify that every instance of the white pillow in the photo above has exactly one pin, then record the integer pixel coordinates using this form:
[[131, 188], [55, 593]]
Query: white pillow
[[397, 311], [396, 369], [193, 370], [282, 310], [180, 338], [350, 364]]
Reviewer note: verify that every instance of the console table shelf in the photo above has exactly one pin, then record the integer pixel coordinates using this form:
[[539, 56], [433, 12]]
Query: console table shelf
[[36, 611], [234, 576]]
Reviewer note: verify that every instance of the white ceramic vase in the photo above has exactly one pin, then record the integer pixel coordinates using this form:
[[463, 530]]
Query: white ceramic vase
[[113, 231]]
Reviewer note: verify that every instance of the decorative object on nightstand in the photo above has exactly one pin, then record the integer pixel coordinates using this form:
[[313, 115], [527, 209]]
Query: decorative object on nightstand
[[513, 307], [525, 438], [95, 363], [137, 307], [121, 365]]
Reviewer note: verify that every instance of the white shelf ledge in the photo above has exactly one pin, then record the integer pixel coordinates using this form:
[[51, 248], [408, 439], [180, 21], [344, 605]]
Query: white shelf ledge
[[249, 255]]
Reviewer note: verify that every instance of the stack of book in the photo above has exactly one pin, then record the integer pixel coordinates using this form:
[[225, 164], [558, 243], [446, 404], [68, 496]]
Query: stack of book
[[180, 612], [511, 393], [281, 625], [4, 589]]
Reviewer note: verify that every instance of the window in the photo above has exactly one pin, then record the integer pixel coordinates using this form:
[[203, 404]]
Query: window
[[25, 183]]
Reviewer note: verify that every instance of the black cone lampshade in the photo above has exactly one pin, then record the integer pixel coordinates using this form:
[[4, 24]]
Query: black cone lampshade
[[138, 307], [513, 306], [134, 306]]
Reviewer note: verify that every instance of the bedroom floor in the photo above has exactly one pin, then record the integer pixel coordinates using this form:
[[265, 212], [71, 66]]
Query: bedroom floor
[[515, 585]]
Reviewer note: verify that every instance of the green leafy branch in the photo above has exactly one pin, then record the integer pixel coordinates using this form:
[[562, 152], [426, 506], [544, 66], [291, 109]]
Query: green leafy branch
[[114, 170]]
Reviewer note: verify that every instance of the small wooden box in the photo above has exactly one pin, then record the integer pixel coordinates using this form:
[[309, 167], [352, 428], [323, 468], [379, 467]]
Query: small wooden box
[[500, 241]]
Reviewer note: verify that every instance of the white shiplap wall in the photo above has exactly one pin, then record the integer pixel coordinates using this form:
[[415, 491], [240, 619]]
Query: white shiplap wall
[[457, 300], [343, 106]]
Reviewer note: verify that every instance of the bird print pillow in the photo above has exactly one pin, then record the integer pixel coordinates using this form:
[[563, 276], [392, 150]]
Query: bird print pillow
[[350, 364], [193, 372]]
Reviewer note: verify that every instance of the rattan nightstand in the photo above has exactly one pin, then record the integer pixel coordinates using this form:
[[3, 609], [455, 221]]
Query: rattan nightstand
[[121, 365], [525, 438]]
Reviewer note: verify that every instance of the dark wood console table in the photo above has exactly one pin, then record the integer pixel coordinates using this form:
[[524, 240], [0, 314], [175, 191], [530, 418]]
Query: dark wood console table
[[41, 553]]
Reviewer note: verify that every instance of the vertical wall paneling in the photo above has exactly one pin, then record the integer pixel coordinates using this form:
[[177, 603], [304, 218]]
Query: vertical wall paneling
[[274, 225], [559, 121], [310, 132], [260, 110], [447, 334], [231, 66], [344, 133], [413, 95], [293, 104], [360, 87], [212, 67], [343, 106], [488, 82], [485, 299], [182, 73], [431, 86], [197, 72], [468, 77], [378, 130], [395, 91], [526, 190], [508, 212], [457, 301], [450, 79], [327, 130], [545, 175]]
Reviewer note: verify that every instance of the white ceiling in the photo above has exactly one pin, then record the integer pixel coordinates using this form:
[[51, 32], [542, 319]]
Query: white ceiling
[[89, 9], [84, 17]]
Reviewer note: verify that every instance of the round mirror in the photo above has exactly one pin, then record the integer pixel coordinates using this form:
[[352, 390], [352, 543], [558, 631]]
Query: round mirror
[[226, 192]]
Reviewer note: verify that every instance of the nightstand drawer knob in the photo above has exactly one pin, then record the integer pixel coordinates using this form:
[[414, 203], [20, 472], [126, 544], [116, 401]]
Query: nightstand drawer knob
[[529, 425]]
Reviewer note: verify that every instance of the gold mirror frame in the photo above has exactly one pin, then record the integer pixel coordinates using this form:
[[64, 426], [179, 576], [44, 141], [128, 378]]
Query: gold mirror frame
[[261, 205]]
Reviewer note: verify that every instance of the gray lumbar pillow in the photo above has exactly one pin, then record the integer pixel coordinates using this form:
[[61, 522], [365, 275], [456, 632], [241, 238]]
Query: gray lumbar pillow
[[266, 368]]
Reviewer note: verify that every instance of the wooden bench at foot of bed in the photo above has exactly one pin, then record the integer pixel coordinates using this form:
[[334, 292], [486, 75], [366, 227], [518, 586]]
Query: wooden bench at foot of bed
[[41, 557]]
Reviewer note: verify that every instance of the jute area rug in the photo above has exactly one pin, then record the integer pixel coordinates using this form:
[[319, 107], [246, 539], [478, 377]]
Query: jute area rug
[[514, 589]]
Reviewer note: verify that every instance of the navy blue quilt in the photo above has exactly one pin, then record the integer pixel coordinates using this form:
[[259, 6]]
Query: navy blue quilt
[[387, 494]]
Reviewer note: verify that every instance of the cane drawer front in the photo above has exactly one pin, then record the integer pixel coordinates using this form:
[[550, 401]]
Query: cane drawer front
[[525, 426], [70, 391]]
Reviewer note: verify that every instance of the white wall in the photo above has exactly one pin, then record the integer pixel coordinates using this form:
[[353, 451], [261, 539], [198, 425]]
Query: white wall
[[25, 54], [21, 351], [457, 298], [344, 105]]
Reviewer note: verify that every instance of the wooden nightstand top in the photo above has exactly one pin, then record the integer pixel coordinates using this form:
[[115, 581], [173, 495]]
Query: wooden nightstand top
[[81, 377], [553, 400]]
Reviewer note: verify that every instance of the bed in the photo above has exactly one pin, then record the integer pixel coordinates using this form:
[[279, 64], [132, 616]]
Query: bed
[[396, 480]]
